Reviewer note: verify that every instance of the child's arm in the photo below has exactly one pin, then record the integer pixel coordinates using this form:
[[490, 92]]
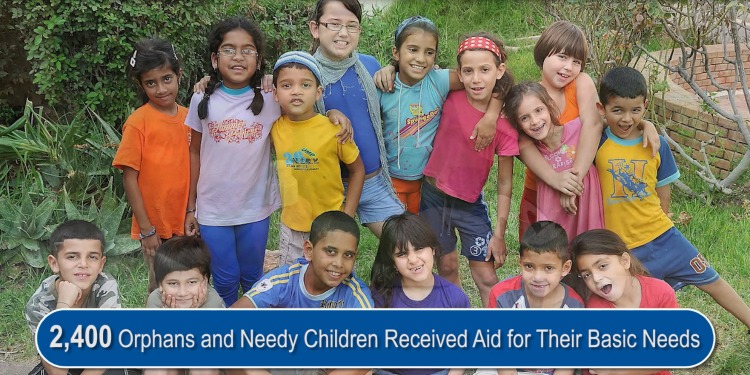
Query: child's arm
[[356, 181], [191, 223], [496, 247], [650, 136], [339, 118], [592, 127], [566, 182], [665, 195], [135, 198], [509, 371], [483, 132]]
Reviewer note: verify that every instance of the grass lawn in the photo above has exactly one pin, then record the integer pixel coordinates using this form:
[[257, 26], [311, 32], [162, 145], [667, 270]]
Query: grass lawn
[[721, 230]]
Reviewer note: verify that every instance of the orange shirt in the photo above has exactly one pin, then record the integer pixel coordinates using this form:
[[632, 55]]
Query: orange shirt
[[156, 145], [569, 114]]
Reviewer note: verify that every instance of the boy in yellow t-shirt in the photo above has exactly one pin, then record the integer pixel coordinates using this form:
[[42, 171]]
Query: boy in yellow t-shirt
[[308, 155]]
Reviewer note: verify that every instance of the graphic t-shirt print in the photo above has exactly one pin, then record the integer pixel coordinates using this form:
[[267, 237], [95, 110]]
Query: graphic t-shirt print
[[234, 131]]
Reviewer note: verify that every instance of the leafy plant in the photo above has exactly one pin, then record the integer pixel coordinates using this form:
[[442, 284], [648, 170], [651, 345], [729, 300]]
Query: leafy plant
[[53, 171]]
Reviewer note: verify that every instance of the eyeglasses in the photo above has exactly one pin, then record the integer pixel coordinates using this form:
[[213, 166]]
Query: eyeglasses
[[233, 52], [334, 26]]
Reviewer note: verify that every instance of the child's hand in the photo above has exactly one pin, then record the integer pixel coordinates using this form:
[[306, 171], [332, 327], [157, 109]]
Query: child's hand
[[200, 299], [150, 244], [191, 225], [483, 133], [568, 203], [568, 182], [496, 248], [651, 137], [168, 301], [338, 118], [384, 78], [266, 83], [68, 293], [201, 85]]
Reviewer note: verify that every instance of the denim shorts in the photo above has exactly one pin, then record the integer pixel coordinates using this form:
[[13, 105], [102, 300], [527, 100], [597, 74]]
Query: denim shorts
[[378, 201], [447, 214], [672, 258]]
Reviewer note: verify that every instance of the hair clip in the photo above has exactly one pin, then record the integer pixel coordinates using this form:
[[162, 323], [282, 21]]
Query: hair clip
[[132, 59], [174, 53]]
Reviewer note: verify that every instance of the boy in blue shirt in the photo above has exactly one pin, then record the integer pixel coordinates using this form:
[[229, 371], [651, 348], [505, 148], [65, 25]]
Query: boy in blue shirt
[[323, 278]]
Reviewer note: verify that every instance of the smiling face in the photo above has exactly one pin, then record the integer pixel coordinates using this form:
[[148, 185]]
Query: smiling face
[[161, 86], [184, 286], [236, 70], [608, 276], [336, 45], [414, 265], [478, 72], [331, 261], [623, 115], [542, 272], [534, 118], [559, 69], [296, 91], [79, 262], [416, 56]]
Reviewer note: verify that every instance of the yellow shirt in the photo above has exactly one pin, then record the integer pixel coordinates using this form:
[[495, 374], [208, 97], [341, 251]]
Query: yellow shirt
[[307, 159], [629, 176]]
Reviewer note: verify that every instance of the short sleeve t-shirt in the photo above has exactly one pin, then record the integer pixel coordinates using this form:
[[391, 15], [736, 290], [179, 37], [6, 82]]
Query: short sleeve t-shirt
[[237, 183], [285, 287], [156, 145], [457, 168], [629, 176], [444, 294], [307, 159], [655, 293]]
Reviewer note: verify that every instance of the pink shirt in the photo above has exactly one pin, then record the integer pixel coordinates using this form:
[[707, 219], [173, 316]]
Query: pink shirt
[[590, 214], [458, 170]]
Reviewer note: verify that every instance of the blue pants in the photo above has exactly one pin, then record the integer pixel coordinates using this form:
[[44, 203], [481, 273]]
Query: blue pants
[[237, 254]]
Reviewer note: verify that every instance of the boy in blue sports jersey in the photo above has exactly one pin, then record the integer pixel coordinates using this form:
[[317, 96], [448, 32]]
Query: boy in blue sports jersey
[[323, 278]]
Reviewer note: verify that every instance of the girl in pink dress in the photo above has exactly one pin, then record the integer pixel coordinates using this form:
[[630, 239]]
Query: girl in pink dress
[[531, 110]]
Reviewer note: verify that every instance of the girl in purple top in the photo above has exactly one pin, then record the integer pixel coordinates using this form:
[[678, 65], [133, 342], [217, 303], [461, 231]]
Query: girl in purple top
[[402, 275]]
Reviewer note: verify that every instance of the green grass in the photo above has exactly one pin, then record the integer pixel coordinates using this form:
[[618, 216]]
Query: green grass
[[721, 230]]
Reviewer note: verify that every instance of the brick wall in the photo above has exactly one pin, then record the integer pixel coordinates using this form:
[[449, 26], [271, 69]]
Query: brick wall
[[687, 123]]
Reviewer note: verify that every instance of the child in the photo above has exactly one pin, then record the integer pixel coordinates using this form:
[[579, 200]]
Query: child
[[183, 268], [455, 173], [233, 189], [532, 112], [326, 271], [617, 280], [561, 53], [635, 188], [308, 155], [402, 275], [544, 261], [348, 86], [153, 153], [77, 259], [411, 112]]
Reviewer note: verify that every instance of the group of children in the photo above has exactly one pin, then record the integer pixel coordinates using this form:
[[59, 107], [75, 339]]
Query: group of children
[[424, 140]]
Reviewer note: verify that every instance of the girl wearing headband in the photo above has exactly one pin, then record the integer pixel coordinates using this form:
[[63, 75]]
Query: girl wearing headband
[[452, 197], [411, 110]]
